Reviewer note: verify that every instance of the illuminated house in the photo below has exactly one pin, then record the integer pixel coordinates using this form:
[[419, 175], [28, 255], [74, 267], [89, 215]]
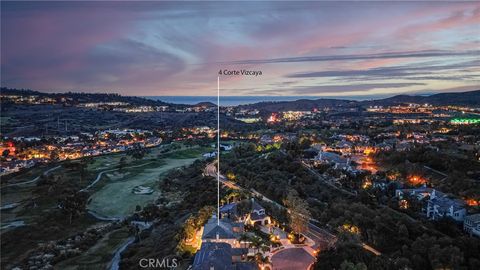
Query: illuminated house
[[336, 160], [266, 139], [257, 216], [220, 249], [419, 193], [224, 231], [343, 147], [384, 146], [228, 211], [221, 256], [440, 207]]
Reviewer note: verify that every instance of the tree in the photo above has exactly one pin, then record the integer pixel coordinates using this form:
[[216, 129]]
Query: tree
[[122, 163], [82, 168], [243, 239], [149, 212], [189, 229], [5, 153], [137, 152], [256, 242], [403, 231], [402, 263], [262, 260], [445, 258], [347, 265], [298, 212], [73, 205], [54, 156]]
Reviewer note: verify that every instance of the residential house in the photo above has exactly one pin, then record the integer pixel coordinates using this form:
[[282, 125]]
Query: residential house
[[220, 249], [343, 147], [439, 207], [221, 256], [266, 139], [226, 147], [209, 155], [223, 230], [419, 193], [257, 215], [471, 224], [228, 211], [338, 161]]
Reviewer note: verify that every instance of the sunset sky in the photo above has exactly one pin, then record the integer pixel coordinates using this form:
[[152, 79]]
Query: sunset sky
[[370, 49]]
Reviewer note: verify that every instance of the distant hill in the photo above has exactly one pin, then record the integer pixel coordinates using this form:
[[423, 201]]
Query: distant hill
[[470, 98], [84, 97], [461, 98], [299, 105], [205, 104]]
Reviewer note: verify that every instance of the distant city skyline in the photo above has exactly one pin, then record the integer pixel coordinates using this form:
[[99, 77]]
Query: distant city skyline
[[331, 49]]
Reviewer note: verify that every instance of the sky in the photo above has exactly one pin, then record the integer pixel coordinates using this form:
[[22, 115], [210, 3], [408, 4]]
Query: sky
[[340, 49]]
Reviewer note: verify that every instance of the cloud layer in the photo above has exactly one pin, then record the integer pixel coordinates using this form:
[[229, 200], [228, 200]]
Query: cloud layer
[[302, 48]]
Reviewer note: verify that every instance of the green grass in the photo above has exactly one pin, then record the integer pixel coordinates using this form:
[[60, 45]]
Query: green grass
[[111, 196], [114, 197], [194, 152]]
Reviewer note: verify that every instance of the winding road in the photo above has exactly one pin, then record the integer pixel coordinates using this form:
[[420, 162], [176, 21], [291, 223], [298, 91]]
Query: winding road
[[115, 263]]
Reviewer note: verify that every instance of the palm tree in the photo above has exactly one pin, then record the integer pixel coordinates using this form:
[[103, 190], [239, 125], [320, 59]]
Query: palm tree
[[243, 238], [264, 248], [262, 260], [256, 243]]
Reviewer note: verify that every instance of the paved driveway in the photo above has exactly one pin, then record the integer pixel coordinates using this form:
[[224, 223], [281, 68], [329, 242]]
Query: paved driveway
[[292, 259]]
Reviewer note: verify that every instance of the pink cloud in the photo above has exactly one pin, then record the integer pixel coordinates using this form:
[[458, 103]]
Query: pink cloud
[[456, 19]]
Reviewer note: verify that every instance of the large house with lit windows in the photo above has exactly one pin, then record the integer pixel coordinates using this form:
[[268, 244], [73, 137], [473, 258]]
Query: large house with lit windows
[[221, 256], [221, 249], [438, 204], [440, 207], [223, 230], [257, 215]]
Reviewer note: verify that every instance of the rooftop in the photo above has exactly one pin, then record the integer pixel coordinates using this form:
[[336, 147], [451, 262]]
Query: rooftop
[[256, 206], [444, 203], [474, 218], [228, 207], [223, 229], [216, 255]]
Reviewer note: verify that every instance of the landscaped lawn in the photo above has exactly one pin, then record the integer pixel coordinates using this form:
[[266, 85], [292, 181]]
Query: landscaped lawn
[[115, 198]]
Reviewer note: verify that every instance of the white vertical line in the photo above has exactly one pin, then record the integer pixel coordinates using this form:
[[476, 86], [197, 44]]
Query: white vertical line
[[218, 150]]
